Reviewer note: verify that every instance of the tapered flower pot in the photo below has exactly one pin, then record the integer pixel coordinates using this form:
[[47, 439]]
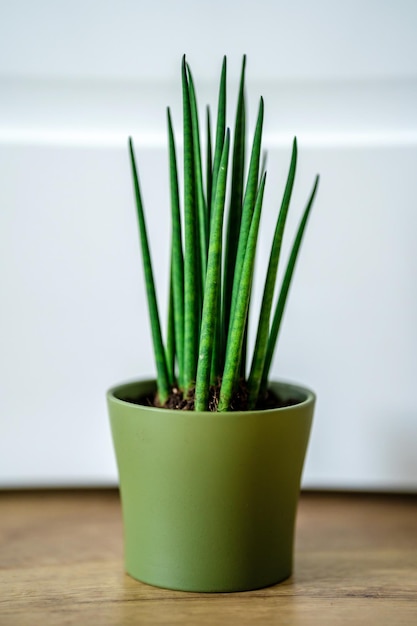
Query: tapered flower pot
[[209, 499]]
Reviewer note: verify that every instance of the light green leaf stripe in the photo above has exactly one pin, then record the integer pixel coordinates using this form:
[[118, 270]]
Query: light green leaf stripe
[[217, 358], [243, 358], [161, 365], [177, 259], [191, 257], [279, 310], [262, 336], [239, 317], [211, 294]]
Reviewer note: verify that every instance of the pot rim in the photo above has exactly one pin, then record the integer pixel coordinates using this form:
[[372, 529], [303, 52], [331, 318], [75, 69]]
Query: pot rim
[[310, 398]]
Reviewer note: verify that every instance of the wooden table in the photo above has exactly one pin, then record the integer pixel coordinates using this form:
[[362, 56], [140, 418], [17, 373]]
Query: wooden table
[[61, 563]]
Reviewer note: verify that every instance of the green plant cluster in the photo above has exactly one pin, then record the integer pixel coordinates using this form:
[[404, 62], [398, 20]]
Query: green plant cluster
[[211, 271]]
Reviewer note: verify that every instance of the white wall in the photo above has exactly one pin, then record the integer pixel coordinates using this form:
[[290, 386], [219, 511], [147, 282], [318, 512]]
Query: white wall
[[75, 79]]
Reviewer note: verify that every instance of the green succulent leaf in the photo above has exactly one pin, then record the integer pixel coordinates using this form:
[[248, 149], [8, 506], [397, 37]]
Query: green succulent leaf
[[212, 292], [248, 206], [262, 336], [170, 343], [220, 129], [236, 199], [161, 364], [192, 284], [239, 316], [209, 163], [280, 307], [212, 258], [203, 224], [177, 257]]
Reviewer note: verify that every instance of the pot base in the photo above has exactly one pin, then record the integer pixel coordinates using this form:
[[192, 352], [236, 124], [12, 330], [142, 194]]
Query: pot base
[[192, 588]]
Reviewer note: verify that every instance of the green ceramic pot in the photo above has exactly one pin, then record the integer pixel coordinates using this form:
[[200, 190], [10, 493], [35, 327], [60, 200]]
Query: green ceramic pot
[[209, 499]]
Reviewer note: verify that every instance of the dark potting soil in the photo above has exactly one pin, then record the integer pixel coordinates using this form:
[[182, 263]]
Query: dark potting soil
[[178, 401]]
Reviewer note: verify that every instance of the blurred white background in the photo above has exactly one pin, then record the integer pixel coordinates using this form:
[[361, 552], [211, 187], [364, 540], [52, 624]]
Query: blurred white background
[[76, 78]]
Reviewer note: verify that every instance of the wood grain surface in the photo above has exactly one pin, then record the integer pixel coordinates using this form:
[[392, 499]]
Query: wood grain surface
[[61, 563]]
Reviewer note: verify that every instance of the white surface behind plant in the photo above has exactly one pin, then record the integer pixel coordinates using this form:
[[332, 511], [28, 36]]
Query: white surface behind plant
[[75, 81]]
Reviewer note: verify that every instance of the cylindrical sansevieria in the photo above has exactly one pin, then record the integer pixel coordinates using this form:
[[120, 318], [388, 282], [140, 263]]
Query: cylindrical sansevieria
[[212, 266]]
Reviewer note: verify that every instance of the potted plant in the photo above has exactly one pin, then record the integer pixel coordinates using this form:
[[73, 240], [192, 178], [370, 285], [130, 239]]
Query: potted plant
[[210, 454]]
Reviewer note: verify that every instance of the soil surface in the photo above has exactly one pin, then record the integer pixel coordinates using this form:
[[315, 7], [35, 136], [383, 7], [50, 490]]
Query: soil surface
[[178, 401]]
